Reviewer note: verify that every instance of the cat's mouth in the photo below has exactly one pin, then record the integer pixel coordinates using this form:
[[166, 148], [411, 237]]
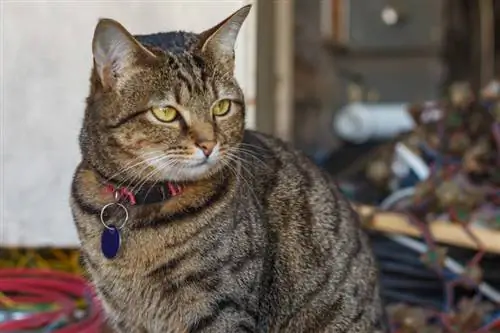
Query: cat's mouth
[[192, 171], [199, 160], [198, 164], [171, 168]]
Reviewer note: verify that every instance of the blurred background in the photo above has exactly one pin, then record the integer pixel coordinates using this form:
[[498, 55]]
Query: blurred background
[[397, 99]]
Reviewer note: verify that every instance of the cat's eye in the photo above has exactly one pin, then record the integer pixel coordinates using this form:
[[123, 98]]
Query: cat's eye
[[166, 114], [221, 108]]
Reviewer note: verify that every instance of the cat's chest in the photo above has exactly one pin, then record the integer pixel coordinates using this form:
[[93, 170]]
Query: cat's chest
[[141, 250]]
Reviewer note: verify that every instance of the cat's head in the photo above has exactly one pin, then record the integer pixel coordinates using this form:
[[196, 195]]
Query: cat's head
[[163, 106]]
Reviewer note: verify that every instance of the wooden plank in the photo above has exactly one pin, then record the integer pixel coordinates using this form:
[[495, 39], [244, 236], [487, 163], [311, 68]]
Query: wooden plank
[[284, 66], [265, 115], [442, 231]]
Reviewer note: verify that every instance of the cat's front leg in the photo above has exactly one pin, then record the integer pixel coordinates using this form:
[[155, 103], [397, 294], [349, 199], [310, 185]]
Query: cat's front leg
[[226, 320], [240, 327], [118, 325], [123, 327]]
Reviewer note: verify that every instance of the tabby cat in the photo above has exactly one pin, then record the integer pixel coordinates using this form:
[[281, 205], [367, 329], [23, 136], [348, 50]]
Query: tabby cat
[[190, 223]]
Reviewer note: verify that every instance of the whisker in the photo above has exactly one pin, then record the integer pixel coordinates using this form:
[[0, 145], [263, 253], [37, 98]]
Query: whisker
[[173, 163], [241, 161], [152, 173], [133, 177], [128, 166], [240, 176], [263, 149], [238, 150], [161, 168]]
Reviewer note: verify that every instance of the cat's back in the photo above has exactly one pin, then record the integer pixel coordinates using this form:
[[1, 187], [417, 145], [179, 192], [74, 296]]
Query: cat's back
[[295, 189], [289, 168], [289, 174], [317, 244]]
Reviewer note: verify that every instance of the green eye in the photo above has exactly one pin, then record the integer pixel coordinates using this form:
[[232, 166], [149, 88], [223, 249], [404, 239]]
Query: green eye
[[221, 108], [165, 114]]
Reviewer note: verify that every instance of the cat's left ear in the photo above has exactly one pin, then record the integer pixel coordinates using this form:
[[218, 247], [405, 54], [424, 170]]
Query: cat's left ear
[[218, 42]]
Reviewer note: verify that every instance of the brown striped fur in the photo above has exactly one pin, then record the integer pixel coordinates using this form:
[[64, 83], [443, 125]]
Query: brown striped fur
[[259, 241]]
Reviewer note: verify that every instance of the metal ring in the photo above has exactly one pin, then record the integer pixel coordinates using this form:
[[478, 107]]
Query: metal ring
[[109, 205]]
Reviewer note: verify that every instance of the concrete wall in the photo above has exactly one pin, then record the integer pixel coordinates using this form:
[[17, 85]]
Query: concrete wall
[[46, 58]]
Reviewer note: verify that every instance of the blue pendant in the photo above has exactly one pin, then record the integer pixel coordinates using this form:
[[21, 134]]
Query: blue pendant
[[110, 242]]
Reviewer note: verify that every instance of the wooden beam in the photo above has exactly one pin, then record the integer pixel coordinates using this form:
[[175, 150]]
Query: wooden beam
[[487, 41], [284, 64], [442, 231], [265, 114], [275, 56]]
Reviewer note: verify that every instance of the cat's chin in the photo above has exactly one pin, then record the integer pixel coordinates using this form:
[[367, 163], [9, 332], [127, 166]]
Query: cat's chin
[[190, 173]]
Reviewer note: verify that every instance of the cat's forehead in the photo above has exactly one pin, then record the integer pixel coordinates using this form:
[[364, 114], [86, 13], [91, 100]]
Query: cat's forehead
[[173, 41], [186, 78], [183, 76]]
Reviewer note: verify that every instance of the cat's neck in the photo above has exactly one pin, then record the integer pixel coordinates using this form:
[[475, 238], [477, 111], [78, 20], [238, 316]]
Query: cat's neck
[[140, 192], [93, 189]]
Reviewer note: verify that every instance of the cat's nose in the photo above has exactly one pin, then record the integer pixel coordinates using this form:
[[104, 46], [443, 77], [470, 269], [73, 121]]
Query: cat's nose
[[207, 147]]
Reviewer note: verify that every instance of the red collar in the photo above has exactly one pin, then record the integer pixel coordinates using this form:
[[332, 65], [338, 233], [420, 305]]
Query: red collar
[[146, 194]]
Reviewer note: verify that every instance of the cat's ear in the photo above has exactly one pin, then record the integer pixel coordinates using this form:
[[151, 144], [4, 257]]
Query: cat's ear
[[219, 41], [115, 51]]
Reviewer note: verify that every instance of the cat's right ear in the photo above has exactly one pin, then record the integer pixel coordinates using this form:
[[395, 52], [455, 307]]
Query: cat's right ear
[[115, 52]]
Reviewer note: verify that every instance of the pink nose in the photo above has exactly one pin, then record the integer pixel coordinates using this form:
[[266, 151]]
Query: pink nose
[[207, 147]]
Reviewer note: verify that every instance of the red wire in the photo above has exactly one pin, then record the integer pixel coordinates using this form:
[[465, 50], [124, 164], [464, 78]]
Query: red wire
[[47, 286], [50, 296]]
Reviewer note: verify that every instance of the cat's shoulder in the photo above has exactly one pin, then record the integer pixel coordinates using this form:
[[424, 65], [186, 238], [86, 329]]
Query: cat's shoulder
[[275, 146], [266, 141]]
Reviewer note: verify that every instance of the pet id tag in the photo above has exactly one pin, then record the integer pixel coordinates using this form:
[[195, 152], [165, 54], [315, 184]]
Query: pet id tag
[[110, 237], [110, 242]]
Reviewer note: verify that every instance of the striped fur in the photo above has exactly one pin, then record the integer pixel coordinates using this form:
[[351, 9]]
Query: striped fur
[[261, 242]]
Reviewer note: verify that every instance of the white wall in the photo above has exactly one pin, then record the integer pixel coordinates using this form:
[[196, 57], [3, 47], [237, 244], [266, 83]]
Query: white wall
[[46, 58]]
